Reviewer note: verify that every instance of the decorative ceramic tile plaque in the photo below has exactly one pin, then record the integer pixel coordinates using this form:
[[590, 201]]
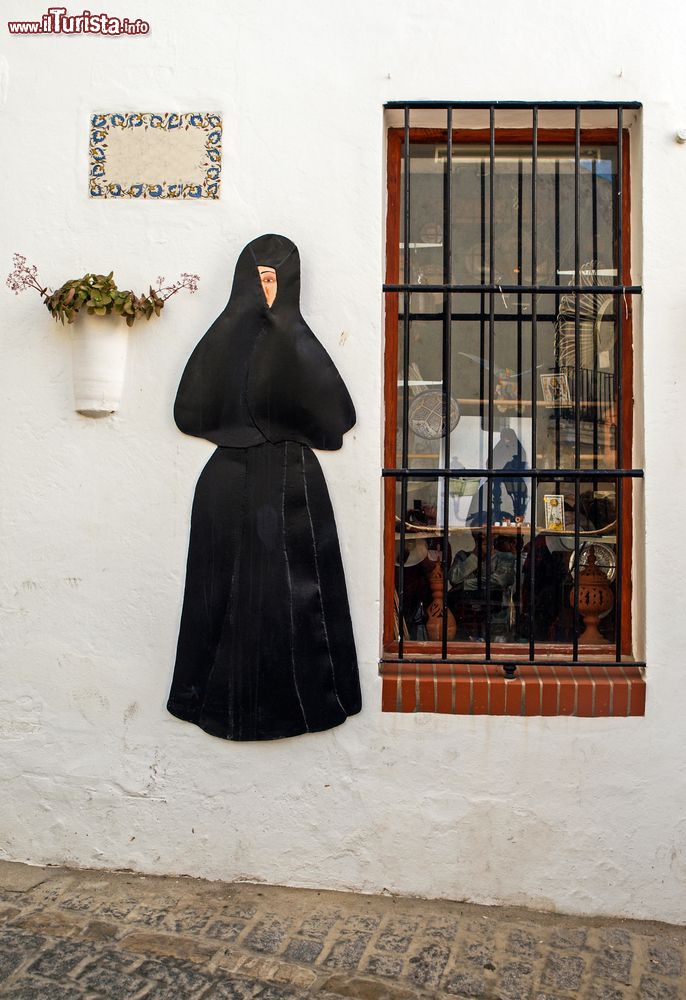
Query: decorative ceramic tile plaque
[[148, 155]]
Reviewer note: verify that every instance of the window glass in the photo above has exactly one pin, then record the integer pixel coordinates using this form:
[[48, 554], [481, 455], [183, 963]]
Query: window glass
[[515, 359]]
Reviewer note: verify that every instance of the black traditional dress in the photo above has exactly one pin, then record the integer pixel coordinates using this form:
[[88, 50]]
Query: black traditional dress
[[265, 647]]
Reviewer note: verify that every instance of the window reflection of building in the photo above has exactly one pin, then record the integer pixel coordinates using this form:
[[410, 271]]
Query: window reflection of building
[[532, 368]]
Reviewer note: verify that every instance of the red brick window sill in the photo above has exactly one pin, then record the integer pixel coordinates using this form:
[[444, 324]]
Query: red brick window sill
[[478, 689]]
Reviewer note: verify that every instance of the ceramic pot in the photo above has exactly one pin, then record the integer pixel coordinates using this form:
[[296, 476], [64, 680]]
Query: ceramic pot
[[595, 600], [99, 346]]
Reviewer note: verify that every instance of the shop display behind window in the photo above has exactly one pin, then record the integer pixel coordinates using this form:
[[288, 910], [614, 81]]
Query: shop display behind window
[[509, 386]]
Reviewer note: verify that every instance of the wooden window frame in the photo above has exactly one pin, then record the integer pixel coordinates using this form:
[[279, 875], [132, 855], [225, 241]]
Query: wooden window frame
[[428, 653]]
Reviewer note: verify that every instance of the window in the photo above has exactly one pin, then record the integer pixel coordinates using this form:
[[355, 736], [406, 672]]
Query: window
[[509, 408]]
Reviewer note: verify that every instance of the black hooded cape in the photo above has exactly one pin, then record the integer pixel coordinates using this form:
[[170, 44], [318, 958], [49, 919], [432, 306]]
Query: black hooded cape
[[265, 647]]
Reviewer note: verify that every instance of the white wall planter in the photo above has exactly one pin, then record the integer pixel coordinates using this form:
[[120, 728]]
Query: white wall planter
[[99, 346]]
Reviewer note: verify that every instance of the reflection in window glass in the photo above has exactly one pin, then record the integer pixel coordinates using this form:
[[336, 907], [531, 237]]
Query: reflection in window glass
[[524, 581]]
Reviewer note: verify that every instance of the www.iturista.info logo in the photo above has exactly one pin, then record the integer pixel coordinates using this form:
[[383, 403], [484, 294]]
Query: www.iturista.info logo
[[56, 21]]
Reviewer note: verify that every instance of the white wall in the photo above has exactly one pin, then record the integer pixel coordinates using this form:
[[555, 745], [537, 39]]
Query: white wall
[[582, 815]]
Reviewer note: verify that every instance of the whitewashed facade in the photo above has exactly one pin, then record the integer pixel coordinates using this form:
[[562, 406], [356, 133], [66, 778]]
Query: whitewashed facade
[[578, 815]]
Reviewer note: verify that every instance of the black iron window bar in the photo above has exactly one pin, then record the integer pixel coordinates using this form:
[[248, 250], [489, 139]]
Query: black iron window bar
[[487, 291]]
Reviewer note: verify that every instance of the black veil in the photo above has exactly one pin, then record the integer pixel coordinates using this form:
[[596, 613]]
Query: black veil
[[260, 374]]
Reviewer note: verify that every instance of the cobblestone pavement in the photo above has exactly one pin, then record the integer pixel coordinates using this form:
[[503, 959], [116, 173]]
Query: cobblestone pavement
[[99, 936]]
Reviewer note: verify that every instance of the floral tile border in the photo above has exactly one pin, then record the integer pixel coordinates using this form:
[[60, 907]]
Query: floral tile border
[[102, 123]]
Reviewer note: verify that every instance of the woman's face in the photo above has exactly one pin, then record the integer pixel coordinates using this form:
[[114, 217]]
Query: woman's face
[[269, 283]]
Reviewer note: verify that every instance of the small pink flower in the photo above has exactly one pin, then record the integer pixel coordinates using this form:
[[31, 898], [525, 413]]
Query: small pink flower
[[23, 276]]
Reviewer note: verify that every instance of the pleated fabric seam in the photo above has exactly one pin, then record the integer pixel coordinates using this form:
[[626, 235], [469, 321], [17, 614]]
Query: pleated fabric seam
[[290, 585], [319, 584]]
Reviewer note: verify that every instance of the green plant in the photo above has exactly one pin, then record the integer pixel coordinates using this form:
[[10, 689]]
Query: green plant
[[97, 294]]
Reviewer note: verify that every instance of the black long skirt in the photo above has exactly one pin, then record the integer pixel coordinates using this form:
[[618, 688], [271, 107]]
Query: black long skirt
[[265, 648]]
